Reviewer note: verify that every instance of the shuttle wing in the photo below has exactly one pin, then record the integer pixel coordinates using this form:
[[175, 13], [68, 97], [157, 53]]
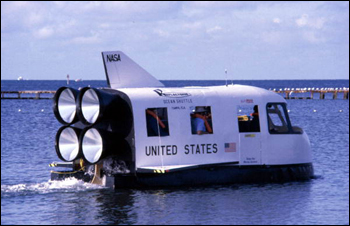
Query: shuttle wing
[[123, 72]]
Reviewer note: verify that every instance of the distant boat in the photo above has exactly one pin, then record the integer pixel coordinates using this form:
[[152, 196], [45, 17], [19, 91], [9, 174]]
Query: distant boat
[[78, 80], [20, 78]]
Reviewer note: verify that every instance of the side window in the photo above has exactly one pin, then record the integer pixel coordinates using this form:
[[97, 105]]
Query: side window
[[201, 120], [157, 122], [248, 118], [277, 119]]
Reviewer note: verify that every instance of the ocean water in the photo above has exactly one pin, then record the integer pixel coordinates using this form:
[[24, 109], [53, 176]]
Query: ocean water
[[28, 129]]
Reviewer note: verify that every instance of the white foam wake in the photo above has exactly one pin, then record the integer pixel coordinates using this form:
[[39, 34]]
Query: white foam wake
[[67, 185]]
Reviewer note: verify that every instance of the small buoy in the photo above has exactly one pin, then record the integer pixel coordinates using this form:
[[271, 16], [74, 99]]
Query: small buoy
[[239, 110], [42, 110], [340, 110], [19, 110], [314, 110], [288, 110]]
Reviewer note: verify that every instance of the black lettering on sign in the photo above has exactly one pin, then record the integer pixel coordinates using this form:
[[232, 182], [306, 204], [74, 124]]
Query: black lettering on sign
[[195, 149], [215, 148], [113, 57], [189, 149], [161, 150]]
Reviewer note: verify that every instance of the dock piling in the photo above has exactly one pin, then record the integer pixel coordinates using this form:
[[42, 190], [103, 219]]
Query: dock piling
[[36, 94], [287, 92]]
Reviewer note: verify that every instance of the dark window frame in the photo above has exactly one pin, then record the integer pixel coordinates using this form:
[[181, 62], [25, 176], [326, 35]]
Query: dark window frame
[[252, 125], [164, 132], [210, 122], [291, 129]]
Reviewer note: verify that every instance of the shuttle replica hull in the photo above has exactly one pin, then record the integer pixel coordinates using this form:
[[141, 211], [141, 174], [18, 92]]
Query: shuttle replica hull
[[220, 175], [135, 136], [210, 175]]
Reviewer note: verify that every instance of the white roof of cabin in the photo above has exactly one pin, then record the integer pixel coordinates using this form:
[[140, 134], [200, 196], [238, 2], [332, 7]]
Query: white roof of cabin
[[235, 92]]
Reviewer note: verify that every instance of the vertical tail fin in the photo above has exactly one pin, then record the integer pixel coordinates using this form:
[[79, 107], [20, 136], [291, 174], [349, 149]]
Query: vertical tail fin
[[123, 72]]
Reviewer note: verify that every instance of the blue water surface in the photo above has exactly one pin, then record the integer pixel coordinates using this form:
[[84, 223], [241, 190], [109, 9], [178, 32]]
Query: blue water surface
[[28, 129]]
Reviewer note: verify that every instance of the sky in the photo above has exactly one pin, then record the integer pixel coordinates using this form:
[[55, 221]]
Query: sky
[[177, 40]]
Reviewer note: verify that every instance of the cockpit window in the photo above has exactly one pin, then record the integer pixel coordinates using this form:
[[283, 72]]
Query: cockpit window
[[278, 123], [157, 122]]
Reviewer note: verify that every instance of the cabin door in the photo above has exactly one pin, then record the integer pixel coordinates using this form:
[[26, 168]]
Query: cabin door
[[249, 135]]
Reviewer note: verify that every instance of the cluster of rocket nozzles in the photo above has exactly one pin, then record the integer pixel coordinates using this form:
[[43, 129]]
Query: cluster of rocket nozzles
[[95, 123]]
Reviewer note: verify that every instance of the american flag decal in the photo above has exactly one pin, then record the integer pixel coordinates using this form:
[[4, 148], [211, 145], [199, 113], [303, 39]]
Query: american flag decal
[[230, 147]]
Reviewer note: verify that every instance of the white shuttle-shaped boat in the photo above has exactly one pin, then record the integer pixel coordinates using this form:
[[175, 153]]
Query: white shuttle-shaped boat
[[138, 133]]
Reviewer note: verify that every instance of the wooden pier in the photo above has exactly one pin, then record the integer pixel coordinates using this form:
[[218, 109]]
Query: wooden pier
[[288, 93], [35, 94], [312, 93]]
